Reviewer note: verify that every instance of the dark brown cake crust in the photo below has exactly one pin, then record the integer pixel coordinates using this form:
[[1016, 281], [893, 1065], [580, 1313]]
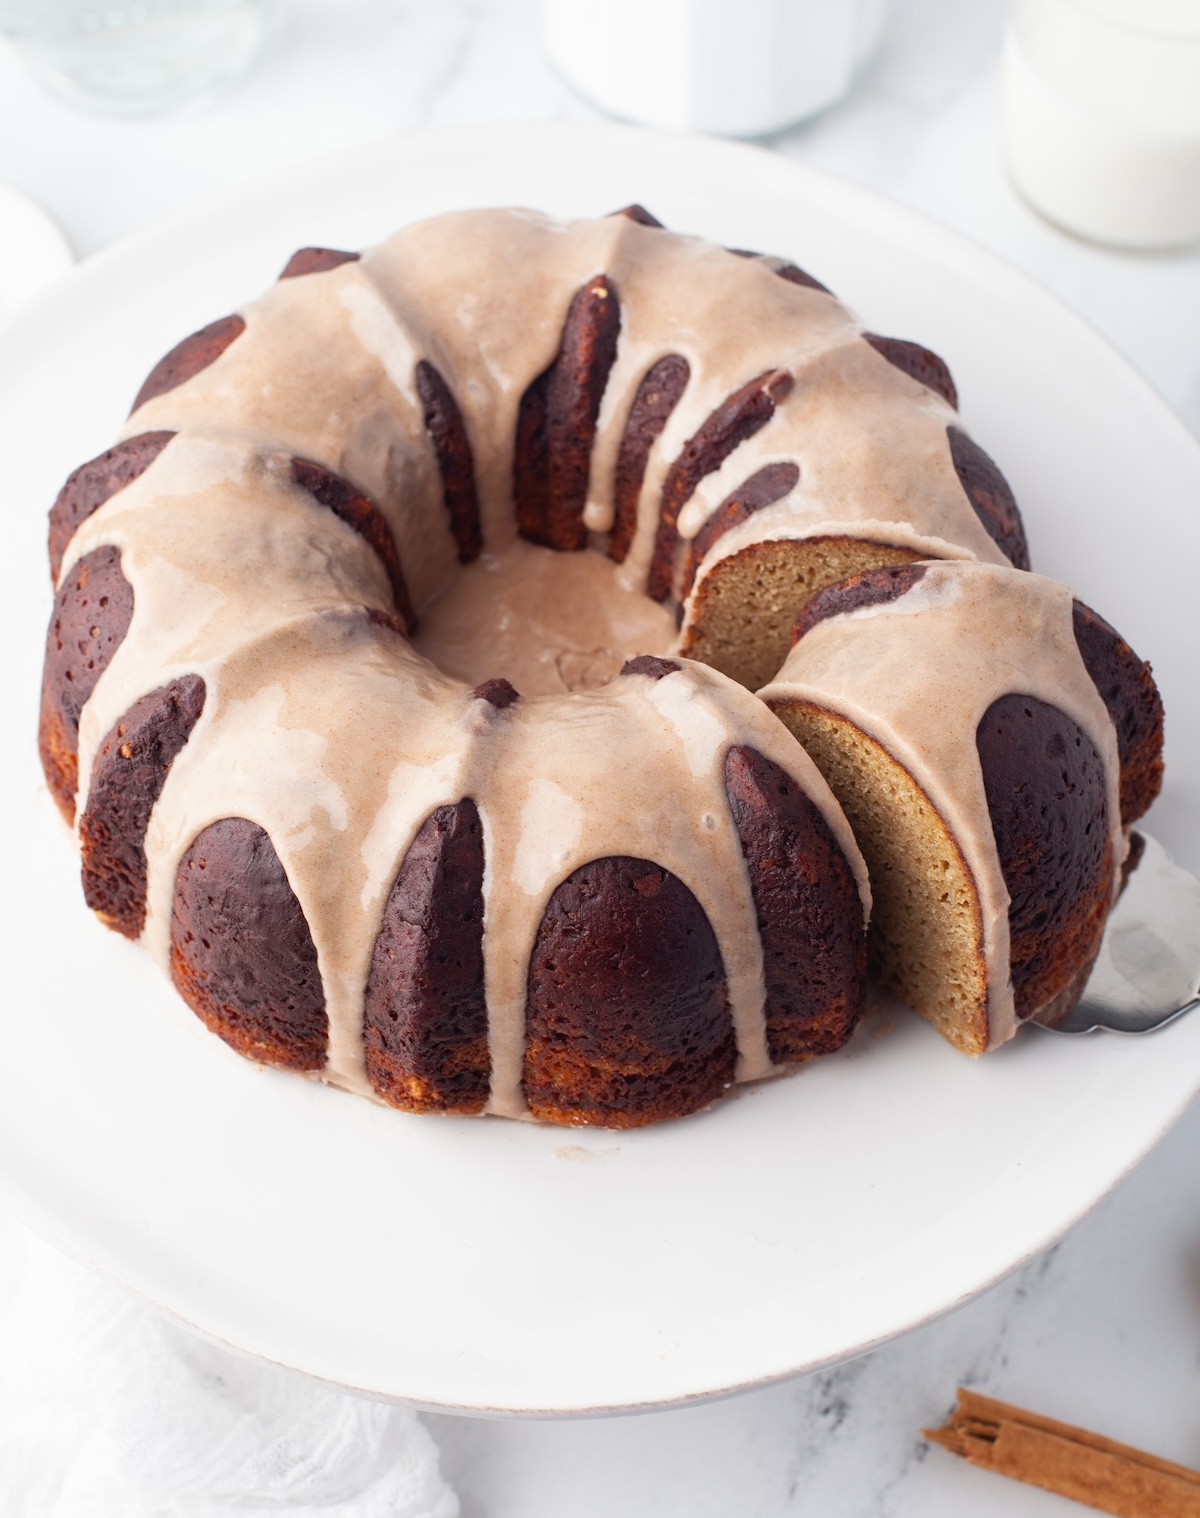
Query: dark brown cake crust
[[189, 357], [556, 422], [456, 463], [95, 482], [873, 587], [768, 485], [627, 1021], [242, 956], [497, 692], [92, 612], [316, 261], [737, 418], [1127, 688], [793, 273], [921, 364], [1137, 847], [651, 666], [531, 462], [810, 915], [639, 214], [657, 396], [426, 1024], [1045, 787], [131, 769], [989, 494], [384, 619], [360, 512]]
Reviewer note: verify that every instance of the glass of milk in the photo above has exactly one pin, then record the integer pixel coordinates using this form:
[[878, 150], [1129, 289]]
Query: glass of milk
[[1102, 116], [144, 59]]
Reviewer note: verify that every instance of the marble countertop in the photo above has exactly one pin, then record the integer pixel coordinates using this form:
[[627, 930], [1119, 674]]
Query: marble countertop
[[1104, 1330]]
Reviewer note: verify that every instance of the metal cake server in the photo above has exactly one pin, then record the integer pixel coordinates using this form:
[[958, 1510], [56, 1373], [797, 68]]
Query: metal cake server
[[1148, 971]]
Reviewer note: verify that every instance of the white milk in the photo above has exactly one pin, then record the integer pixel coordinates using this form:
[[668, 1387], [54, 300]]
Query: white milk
[[1102, 116]]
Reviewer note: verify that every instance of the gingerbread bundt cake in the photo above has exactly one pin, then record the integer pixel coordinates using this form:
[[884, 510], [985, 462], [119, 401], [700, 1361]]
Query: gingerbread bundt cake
[[992, 801], [339, 662]]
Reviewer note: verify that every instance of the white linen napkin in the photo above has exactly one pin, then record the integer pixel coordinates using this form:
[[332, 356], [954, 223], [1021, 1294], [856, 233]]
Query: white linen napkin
[[109, 1411]]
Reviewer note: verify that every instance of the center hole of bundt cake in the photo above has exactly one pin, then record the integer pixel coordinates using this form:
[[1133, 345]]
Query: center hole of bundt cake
[[549, 622]]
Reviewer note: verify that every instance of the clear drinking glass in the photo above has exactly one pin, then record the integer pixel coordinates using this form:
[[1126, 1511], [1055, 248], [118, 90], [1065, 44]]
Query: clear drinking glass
[[145, 59]]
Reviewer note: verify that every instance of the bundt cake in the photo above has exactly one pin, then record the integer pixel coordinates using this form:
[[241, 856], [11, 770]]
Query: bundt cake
[[398, 651], [992, 801]]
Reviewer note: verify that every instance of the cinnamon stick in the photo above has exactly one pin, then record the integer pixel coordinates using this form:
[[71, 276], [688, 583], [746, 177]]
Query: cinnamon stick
[[1071, 1462]]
